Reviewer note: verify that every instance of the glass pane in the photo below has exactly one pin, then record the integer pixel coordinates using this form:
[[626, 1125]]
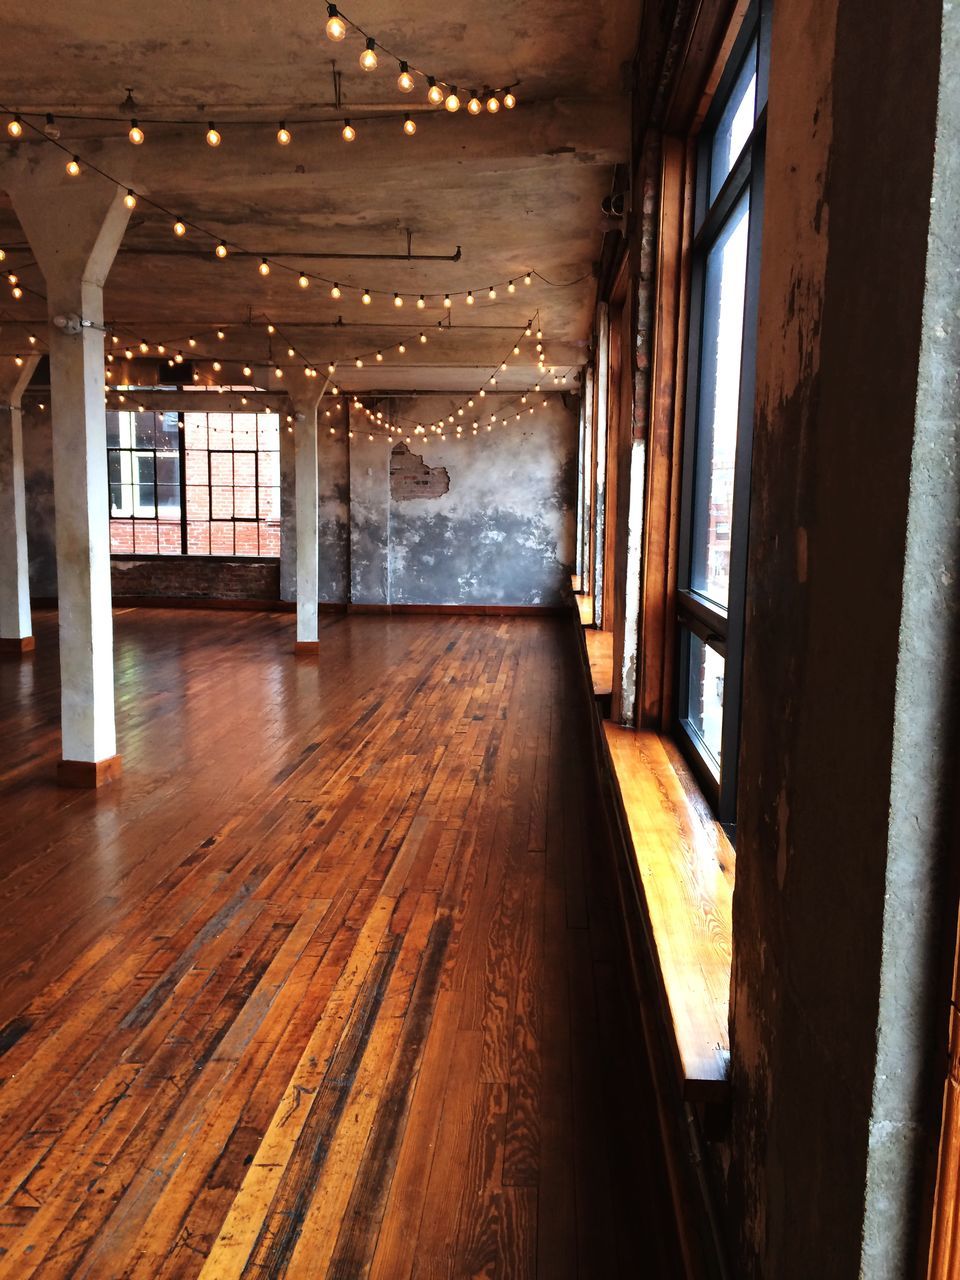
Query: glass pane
[[145, 430], [716, 442], [168, 468], [270, 539], [268, 430], [269, 464], [113, 429], [221, 468], [169, 540], [198, 502], [244, 431], [195, 430], [221, 538], [705, 698], [121, 537], [244, 469], [197, 467], [269, 504], [143, 488], [220, 429], [168, 431], [245, 503], [247, 540], [198, 537], [121, 499], [145, 537], [735, 124], [168, 502], [221, 502]]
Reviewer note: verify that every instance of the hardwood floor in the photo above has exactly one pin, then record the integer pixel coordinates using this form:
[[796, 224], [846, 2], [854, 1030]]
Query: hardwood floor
[[328, 984]]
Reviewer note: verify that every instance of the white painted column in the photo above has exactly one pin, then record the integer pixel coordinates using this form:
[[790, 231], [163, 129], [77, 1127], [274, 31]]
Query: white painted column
[[74, 226], [16, 631], [306, 398]]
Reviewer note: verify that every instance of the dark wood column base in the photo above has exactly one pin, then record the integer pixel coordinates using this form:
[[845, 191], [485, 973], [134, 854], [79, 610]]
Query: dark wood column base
[[306, 647], [88, 773], [16, 645]]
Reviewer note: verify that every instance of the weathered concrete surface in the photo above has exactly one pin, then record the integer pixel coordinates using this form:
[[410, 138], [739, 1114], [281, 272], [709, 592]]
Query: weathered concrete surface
[[502, 533], [14, 574], [833, 860], [38, 484]]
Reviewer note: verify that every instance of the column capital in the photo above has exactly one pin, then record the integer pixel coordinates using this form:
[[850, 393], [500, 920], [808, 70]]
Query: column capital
[[15, 378]]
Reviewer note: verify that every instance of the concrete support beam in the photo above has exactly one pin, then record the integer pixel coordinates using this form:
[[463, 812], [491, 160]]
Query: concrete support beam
[[306, 396], [16, 632], [74, 227]]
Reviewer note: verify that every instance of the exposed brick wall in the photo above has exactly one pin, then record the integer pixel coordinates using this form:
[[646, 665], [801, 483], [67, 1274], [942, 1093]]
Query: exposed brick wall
[[197, 576], [411, 477]]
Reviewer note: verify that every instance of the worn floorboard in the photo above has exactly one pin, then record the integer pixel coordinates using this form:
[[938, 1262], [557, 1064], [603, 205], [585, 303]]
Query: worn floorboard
[[330, 982]]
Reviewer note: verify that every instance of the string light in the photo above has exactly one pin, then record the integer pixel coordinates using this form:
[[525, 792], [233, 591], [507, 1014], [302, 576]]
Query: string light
[[336, 27], [335, 292], [397, 300], [303, 281], [409, 126], [446, 301], [404, 79], [365, 298], [130, 200], [511, 287], [528, 278], [509, 101], [136, 134], [348, 132], [423, 338], [284, 135], [179, 228], [213, 135], [221, 250], [421, 303], [15, 127], [474, 106], [264, 267], [493, 104], [469, 298], [368, 58], [452, 100], [434, 92], [73, 167]]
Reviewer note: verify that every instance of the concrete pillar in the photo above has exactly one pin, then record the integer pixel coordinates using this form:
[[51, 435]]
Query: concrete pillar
[[16, 632], [306, 395], [74, 227]]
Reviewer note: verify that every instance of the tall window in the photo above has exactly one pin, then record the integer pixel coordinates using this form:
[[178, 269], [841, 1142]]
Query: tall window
[[715, 495], [194, 483]]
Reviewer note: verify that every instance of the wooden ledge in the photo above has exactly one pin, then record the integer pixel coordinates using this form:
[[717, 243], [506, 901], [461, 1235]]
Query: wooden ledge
[[600, 656], [16, 645], [686, 869], [306, 648], [88, 773]]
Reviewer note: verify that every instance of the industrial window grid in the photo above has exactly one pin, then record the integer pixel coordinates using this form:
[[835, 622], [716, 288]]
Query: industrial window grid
[[194, 484], [713, 532]]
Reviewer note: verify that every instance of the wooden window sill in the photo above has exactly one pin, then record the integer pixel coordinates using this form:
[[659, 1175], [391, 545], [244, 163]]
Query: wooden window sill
[[686, 869]]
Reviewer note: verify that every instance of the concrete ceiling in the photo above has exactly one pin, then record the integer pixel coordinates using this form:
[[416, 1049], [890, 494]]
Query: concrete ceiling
[[516, 191]]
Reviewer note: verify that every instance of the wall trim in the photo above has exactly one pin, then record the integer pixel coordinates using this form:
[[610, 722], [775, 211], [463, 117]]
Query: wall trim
[[467, 610]]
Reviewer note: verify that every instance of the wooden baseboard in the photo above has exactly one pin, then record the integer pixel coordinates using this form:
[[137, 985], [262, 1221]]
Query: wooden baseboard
[[202, 602], [17, 645], [306, 648], [88, 773], [466, 610]]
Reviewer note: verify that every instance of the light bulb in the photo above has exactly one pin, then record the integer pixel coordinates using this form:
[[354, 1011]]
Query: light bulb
[[213, 136], [144, 348], [469, 297], [161, 349], [271, 328], [397, 300], [379, 357], [73, 167], [474, 106], [221, 250], [493, 104], [336, 27], [359, 363], [304, 281], [221, 335], [18, 361], [402, 349], [511, 287], [217, 366], [179, 228], [409, 126], [178, 358], [404, 79], [348, 132], [3, 255], [12, 278], [247, 371], [528, 278], [284, 135], [264, 267], [421, 302], [434, 93], [278, 372], [452, 100], [290, 353], [509, 101], [368, 59], [136, 134], [365, 298], [423, 337], [491, 293], [15, 127], [130, 200], [331, 368], [335, 292], [446, 300], [32, 339]]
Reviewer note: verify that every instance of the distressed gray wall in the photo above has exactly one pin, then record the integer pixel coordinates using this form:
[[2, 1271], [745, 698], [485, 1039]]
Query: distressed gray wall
[[503, 533], [834, 860], [38, 482], [333, 530]]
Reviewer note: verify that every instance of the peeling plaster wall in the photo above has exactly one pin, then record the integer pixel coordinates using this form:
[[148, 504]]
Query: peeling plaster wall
[[503, 534], [38, 483], [848, 180]]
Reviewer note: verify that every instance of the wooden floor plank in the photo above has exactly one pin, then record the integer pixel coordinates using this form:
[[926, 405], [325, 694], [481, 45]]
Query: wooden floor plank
[[327, 983]]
